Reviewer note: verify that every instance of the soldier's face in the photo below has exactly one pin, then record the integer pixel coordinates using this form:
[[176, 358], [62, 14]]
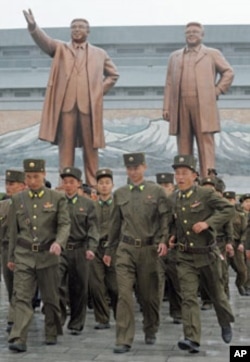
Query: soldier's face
[[136, 173], [104, 186], [12, 187], [168, 187], [246, 205], [35, 180], [194, 35], [79, 31], [70, 185], [184, 178]]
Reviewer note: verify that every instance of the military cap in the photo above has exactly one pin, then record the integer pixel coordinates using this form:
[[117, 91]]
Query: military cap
[[208, 181], [219, 184], [229, 194], [71, 171], [244, 197], [134, 159], [104, 172], [184, 161], [33, 165], [164, 178], [14, 176]]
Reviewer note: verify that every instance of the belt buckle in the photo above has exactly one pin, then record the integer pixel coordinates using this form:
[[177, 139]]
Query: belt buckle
[[138, 243], [35, 248], [182, 247], [70, 247]]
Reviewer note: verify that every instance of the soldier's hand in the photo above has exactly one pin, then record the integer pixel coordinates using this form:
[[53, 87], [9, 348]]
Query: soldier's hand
[[11, 265], [171, 242], [248, 254], [107, 260], [241, 248], [90, 255], [199, 227], [165, 115], [162, 249], [30, 19], [230, 250], [55, 249]]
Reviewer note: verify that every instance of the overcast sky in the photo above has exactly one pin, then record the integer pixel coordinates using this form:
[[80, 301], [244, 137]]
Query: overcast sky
[[59, 13]]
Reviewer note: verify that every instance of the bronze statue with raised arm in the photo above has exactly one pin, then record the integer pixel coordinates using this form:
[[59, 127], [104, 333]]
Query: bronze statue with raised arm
[[72, 113], [196, 77]]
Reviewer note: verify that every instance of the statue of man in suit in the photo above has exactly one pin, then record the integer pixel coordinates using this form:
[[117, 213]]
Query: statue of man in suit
[[196, 77], [72, 113]]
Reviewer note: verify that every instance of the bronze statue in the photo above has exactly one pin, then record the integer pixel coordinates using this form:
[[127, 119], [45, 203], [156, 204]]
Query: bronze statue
[[72, 113], [191, 91]]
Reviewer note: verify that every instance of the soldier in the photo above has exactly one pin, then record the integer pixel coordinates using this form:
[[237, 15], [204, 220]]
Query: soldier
[[224, 238], [245, 204], [102, 281], [168, 263], [38, 231], [198, 213], [139, 224], [14, 183], [80, 249], [237, 261]]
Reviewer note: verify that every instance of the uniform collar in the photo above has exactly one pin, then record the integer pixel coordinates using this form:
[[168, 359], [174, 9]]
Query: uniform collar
[[105, 202], [36, 194], [72, 200], [136, 187], [185, 194]]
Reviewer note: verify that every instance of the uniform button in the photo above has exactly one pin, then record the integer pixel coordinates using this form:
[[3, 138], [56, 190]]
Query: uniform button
[[191, 244], [185, 221], [34, 227], [35, 206], [34, 216], [188, 232], [183, 208]]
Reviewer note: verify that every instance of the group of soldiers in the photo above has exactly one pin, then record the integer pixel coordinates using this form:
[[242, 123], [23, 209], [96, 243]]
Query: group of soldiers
[[118, 247]]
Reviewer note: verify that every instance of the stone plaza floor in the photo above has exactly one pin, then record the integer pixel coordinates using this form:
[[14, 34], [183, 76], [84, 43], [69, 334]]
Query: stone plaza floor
[[94, 345]]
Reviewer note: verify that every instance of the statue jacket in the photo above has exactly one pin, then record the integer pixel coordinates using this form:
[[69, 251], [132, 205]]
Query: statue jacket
[[102, 75]]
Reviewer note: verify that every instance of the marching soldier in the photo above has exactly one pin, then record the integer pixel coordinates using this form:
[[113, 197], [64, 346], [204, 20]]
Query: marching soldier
[[198, 213], [237, 261], [102, 279], [39, 229], [14, 183], [140, 226], [168, 263], [80, 249], [245, 204]]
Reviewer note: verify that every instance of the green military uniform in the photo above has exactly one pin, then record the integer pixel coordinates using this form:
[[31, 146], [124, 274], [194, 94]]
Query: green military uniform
[[168, 271], [11, 176], [37, 220], [198, 255], [139, 222], [74, 267], [247, 283], [237, 262], [102, 280]]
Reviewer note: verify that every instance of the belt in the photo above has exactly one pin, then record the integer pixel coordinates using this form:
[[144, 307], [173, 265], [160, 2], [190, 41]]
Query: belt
[[74, 245], [138, 243], [202, 250], [35, 247]]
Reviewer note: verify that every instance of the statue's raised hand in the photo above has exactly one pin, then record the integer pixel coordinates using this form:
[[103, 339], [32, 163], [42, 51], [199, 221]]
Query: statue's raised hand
[[30, 19]]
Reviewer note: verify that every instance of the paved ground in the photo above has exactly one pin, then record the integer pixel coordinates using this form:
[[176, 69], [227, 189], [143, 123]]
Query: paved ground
[[95, 345]]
